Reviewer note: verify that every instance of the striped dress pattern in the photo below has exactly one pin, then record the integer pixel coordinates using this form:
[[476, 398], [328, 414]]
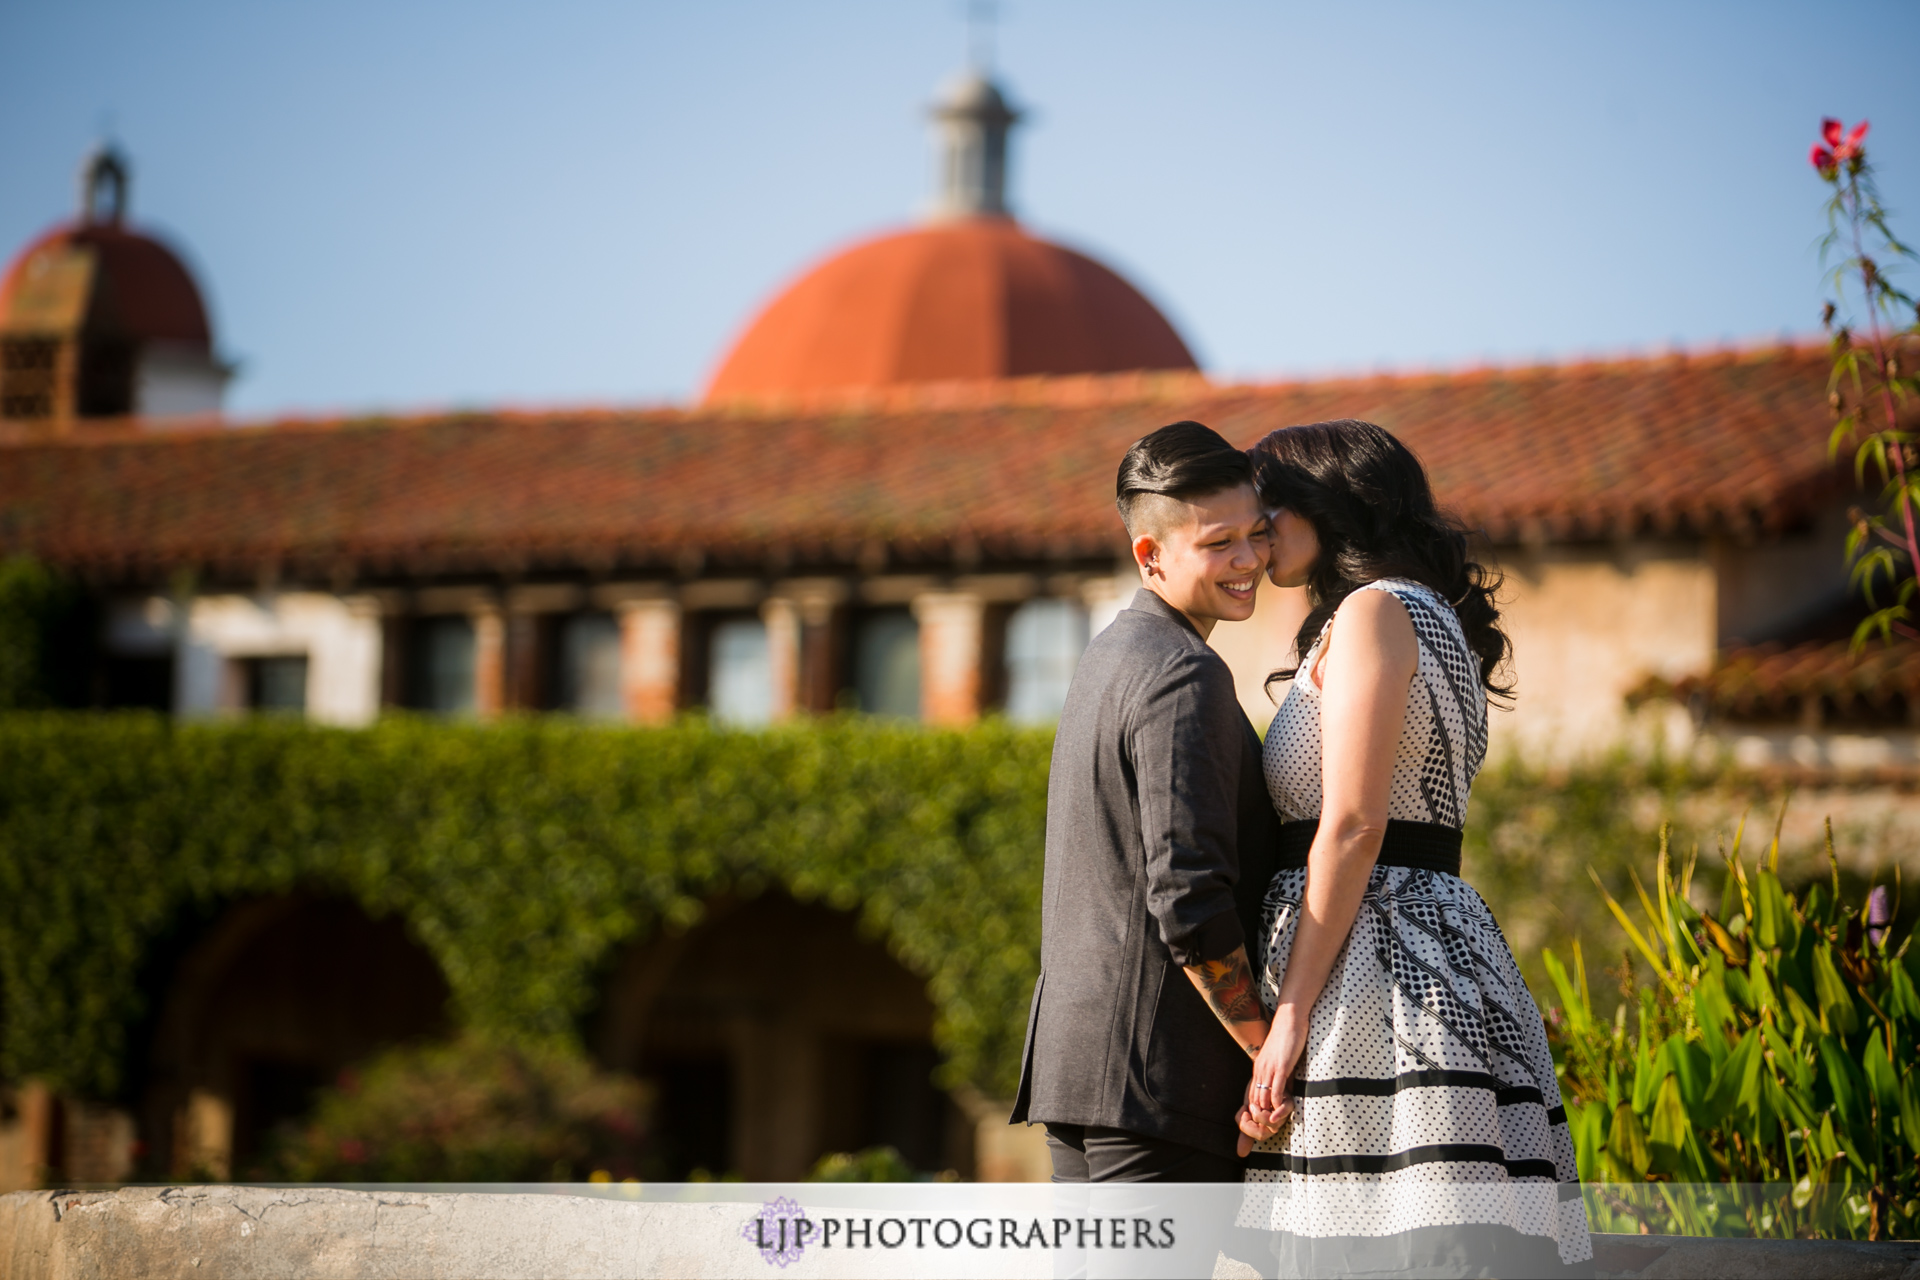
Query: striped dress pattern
[[1429, 1135]]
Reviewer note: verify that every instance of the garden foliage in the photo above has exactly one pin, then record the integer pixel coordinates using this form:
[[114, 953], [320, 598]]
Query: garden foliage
[[1776, 1045], [524, 855], [43, 636], [474, 1109], [521, 855]]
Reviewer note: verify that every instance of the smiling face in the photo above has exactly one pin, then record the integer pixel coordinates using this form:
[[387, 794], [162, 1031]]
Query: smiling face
[[1295, 546], [1205, 556]]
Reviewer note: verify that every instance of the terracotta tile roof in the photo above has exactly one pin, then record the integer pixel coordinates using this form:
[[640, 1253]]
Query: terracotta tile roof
[[1780, 682], [1728, 441], [958, 298]]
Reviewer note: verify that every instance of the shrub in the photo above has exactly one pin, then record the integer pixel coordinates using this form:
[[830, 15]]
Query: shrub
[[874, 1164], [43, 629], [471, 1110], [1775, 1045]]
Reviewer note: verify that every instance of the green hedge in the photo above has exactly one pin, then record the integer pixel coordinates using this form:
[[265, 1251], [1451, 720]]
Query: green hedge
[[519, 854], [46, 640]]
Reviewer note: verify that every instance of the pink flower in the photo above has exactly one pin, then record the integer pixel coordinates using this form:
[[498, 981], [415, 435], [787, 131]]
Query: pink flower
[[1841, 146], [1851, 147]]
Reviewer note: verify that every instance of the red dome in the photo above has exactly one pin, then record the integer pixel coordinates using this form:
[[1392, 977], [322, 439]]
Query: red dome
[[968, 299], [141, 290]]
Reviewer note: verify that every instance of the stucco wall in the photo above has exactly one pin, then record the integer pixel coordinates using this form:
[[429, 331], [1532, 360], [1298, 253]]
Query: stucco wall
[[339, 636], [1590, 623], [1767, 587], [1587, 625]]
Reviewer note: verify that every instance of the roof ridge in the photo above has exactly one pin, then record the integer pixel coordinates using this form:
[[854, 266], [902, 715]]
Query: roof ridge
[[1056, 391]]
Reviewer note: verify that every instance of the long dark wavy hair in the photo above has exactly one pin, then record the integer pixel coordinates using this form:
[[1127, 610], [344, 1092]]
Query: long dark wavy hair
[[1368, 500]]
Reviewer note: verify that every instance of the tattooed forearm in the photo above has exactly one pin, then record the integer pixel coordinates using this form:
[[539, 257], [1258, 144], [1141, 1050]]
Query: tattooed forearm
[[1227, 987]]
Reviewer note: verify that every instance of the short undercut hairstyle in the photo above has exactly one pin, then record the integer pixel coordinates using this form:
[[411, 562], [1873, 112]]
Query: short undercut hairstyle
[[1183, 462]]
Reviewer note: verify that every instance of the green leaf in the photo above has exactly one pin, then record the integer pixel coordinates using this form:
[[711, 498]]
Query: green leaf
[[1586, 1125], [1843, 1077], [1910, 1109], [1770, 910], [1579, 1016], [1740, 991], [1691, 1068], [1787, 1060], [1837, 1013], [1650, 1067], [1781, 1106], [1903, 1001], [1627, 1142], [1882, 1083], [1735, 1085], [1760, 986], [1801, 1012], [1668, 1133], [1713, 1011]]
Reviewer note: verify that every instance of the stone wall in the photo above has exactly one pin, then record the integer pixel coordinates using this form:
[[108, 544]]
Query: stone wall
[[238, 1233]]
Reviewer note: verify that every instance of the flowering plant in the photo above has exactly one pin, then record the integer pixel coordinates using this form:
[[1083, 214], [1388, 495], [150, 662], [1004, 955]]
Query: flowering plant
[[1871, 388]]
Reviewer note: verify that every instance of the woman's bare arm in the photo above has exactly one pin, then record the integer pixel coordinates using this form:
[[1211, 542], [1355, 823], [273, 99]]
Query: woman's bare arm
[[1370, 658]]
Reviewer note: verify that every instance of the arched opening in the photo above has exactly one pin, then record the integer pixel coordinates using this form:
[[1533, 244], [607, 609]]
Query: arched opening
[[775, 1034], [268, 1005]]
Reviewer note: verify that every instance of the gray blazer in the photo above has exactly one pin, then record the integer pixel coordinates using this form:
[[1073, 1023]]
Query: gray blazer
[[1160, 845]]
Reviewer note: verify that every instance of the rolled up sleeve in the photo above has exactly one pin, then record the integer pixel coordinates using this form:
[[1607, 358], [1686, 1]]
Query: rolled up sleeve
[[1185, 741]]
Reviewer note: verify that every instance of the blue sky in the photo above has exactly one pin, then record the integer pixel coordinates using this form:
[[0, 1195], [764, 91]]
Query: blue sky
[[415, 205]]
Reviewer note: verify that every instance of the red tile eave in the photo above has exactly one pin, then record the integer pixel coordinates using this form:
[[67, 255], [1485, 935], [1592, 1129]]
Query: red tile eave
[[1775, 681], [1674, 446]]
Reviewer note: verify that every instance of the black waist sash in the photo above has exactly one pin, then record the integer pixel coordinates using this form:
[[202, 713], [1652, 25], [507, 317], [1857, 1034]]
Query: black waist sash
[[1430, 846]]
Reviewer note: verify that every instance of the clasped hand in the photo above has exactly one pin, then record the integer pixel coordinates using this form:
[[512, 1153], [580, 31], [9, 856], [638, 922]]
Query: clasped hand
[[1268, 1103]]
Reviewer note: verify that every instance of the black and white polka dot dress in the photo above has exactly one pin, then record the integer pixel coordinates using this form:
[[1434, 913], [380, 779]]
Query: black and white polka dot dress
[[1429, 1136]]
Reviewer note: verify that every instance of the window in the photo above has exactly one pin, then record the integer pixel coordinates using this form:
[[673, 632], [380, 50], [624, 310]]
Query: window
[[276, 684], [740, 683], [106, 379], [442, 666], [590, 666], [886, 664], [140, 680], [29, 369], [1044, 642]]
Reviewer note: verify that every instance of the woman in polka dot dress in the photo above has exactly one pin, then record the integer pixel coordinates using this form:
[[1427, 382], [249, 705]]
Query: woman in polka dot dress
[[1410, 1119]]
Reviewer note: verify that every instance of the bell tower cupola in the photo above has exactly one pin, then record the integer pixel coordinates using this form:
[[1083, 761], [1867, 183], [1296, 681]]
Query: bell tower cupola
[[99, 320], [974, 121]]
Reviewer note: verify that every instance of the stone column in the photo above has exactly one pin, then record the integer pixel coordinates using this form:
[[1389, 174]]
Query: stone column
[[782, 617], [347, 676], [818, 615], [489, 661], [27, 1142], [520, 664], [650, 659], [203, 1136], [776, 1069], [951, 628], [395, 627], [199, 669]]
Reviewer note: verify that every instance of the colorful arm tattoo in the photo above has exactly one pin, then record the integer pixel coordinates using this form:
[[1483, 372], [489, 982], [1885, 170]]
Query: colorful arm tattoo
[[1227, 987]]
